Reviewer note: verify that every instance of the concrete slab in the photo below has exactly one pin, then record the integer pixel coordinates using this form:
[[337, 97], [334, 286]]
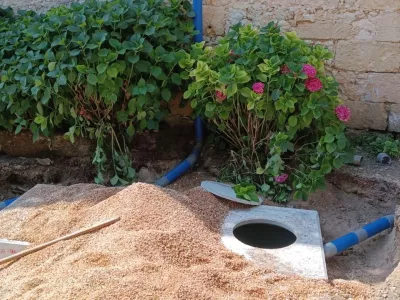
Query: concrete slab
[[305, 257], [8, 248]]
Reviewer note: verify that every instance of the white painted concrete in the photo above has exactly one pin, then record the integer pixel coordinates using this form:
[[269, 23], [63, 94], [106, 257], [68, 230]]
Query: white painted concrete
[[305, 257], [8, 248]]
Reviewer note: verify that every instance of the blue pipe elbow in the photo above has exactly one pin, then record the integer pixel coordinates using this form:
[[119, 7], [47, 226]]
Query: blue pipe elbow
[[189, 162], [353, 238]]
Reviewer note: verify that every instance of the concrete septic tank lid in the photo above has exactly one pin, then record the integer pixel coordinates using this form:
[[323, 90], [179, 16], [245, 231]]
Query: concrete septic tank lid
[[304, 257]]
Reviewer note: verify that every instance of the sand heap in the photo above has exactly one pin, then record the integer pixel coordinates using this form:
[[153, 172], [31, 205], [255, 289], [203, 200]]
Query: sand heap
[[166, 246]]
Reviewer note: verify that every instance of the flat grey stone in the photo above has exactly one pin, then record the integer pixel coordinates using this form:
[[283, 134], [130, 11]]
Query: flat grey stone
[[226, 191]]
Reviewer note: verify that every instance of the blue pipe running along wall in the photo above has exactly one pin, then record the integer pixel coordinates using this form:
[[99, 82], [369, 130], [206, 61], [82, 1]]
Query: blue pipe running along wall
[[353, 238], [189, 162]]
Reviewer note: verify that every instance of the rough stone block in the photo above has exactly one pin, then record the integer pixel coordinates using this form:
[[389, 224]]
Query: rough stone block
[[325, 30], [388, 27], [368, 56], [367, 115], [369, 87], [214, 20], [379, 4], [394, 118]]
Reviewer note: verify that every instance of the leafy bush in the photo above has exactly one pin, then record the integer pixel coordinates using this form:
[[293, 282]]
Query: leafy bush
[[269, 96], [97, 69], [246, 191], [377, 143]]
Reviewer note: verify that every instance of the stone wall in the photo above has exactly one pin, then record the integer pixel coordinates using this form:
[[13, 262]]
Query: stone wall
[[363, 34]]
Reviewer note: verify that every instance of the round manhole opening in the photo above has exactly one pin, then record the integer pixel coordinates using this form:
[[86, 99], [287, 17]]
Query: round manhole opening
[[264, 235]]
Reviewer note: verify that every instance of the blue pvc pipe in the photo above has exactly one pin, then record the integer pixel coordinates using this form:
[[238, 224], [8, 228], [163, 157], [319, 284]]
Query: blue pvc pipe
[[353, 238], [189, 162], [198, 20], [6, 203]]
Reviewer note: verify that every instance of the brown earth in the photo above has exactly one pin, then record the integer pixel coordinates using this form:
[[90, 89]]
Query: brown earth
[[354, 197]]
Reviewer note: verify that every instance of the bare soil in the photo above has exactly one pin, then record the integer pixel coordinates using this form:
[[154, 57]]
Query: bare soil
[[354, 197]]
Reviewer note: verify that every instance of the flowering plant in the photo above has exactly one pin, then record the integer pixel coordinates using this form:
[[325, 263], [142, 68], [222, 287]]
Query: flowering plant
[[269, 96]]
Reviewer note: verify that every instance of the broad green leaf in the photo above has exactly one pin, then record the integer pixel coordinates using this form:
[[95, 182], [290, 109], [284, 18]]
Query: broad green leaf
[[18, 129], [245, 92], [75, 52], [176, 78], [46, 96], [114, 180], [130, 130], [92, 79], [115, 43], [101, 68], [142, 66], [231, 90], [73, 113], [122, 116], [166, 94], [326, 169], [338, 162], [260, 171], [51, 66], [133, 59], [11, 89], [150, 30], [112, 56], [329, 138], [331, 147], [132, 106], [292, 121], [275, 94], [39, 108], [112, 72], [71, 77], [62, 80], [81, 68]]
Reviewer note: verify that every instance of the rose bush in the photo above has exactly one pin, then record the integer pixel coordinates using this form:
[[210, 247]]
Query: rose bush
[[268, 94]]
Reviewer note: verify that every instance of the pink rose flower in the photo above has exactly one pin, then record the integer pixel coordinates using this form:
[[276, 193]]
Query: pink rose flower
[[310, 71], [220, 96], [343, 113], [258, 87], [281, 178], [285, 69], [313, 84]]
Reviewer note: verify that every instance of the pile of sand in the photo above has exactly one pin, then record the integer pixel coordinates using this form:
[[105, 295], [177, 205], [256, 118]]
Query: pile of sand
[[166, 246]]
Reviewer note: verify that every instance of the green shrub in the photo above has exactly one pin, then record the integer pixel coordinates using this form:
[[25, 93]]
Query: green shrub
[[377, 143], [269, 96], [97, 69]]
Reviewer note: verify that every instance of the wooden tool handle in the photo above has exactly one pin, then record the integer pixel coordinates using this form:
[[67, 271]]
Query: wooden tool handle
[[63, 238]]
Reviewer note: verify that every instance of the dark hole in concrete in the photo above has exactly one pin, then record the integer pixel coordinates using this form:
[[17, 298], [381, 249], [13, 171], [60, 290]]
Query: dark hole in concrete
[[263, 235]]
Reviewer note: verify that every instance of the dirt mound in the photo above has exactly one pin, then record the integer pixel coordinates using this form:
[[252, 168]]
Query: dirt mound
[[166, 246]]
